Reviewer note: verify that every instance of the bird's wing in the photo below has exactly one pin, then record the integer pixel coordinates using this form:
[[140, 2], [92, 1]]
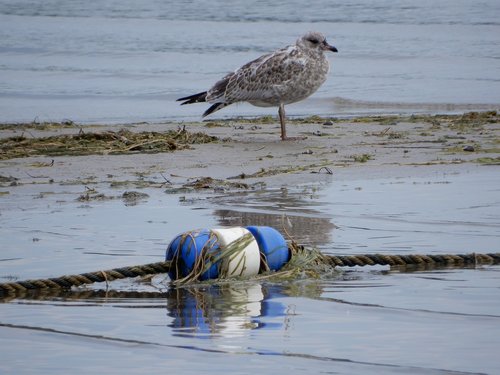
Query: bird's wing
[[260, 79]]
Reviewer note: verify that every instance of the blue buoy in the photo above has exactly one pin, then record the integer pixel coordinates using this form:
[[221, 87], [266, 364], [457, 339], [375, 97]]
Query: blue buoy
[[203, 251], [186, 248], [272, 244]]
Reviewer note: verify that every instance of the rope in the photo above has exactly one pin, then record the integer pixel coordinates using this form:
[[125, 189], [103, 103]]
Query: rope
[[412, 260], [66, 282], [449, 260]]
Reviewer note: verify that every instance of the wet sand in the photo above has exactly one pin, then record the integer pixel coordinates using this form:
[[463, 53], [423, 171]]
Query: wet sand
[[250, 154]]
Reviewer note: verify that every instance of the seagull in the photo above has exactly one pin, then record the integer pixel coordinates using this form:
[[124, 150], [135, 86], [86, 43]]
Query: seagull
[[285, 76]]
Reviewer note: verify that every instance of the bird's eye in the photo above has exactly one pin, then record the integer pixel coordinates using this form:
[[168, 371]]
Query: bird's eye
[[314, 41]]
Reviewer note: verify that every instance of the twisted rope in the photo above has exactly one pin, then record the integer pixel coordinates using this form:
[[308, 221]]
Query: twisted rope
[[415, 260], [449, 260], [66, 282]]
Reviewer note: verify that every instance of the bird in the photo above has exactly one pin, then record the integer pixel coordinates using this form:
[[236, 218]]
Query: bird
[[287, 75]]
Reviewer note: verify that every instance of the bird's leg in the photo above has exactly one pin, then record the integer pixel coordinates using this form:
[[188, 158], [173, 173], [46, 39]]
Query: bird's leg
[[281, 113]]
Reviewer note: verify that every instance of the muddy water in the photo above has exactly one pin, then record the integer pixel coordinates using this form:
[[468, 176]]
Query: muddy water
[[359, 321]]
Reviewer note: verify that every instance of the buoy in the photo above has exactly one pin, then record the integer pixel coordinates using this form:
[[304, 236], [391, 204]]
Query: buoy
[[226, 252], [188, 248], [244, 262], [272, 245]]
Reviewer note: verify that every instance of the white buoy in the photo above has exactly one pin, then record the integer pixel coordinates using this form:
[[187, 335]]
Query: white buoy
[[244, 262]]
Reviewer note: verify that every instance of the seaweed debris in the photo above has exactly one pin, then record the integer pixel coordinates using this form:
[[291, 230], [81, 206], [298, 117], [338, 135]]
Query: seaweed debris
[[102, 143], [213, 183]]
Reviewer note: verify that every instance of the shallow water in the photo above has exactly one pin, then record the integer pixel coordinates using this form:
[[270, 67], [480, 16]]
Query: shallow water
[[366, 320], [124, 61]]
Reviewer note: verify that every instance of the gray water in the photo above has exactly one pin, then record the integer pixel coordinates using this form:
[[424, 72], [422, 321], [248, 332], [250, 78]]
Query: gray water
[[127, 61], [361, 321]]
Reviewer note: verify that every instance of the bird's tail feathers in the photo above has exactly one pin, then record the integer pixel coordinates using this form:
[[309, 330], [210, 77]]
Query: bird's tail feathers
[[196, 98], [202, 97], [215, 107]]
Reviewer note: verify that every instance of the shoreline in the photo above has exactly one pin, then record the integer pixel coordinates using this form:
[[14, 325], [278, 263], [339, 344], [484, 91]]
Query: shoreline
[[343, 108], [243, 151]]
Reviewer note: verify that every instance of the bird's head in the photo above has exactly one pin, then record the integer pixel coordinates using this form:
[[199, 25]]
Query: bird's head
[[314, 40]]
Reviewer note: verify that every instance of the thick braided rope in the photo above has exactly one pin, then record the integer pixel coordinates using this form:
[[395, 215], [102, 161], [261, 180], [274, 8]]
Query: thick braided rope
[[412, 260], [66, 282]]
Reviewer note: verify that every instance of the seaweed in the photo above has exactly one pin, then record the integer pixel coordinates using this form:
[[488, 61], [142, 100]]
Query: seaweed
[[102, 143]]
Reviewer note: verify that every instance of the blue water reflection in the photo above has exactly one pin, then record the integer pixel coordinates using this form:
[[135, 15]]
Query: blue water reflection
[[225, 310]]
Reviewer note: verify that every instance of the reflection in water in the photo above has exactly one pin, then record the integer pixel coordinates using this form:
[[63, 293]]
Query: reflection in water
[[310, 231], [303, 222], [217, 310], [96, 296], [201, 311], [230, 310]]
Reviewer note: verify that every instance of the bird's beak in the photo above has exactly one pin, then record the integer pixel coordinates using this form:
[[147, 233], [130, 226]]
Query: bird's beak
[[326, 47]]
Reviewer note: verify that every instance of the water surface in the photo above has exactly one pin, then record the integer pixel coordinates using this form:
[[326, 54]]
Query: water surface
[[123, 61], [363, 321]]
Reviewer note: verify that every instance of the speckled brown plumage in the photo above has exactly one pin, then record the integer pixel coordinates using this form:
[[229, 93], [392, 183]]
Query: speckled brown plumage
[[285, 76]]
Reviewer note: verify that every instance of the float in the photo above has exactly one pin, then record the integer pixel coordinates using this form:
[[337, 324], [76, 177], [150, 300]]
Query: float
[[204, 254]]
